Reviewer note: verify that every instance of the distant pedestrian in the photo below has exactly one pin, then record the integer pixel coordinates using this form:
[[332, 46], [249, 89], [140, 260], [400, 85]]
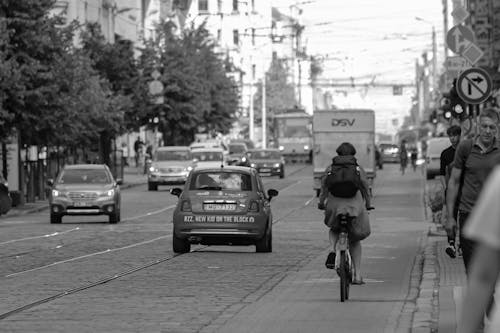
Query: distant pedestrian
[[413, 158], [403, 156], [124, 154], [148, 157], [484, 228], [138, 144]]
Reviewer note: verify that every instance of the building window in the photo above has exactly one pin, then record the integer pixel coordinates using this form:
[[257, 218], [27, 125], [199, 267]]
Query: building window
[[219, 6], [235, 5], [253, 71], [236, 37], [219, 34], [203, 5], [253, 6], [253, 36]]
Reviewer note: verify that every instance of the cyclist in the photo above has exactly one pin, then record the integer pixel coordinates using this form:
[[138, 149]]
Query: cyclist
[[357, 206], [403, 156]]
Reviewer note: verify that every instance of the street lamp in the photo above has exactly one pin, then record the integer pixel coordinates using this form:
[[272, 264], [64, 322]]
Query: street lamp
[[434, 50]]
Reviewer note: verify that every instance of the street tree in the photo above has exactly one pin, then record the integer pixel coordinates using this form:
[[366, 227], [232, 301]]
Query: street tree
[[198, 94], [280, 93]]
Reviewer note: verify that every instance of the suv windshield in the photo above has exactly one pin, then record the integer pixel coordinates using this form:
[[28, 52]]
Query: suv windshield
[[84, 176], [221, 181], [173, 155]]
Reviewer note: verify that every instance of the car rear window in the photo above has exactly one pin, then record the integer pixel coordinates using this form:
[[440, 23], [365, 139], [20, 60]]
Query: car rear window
[[265, 154], [221, 181], [84, 176], [173, 155], [237, 149], [205, 156]]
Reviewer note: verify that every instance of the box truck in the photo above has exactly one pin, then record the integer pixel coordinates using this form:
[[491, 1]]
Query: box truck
[[331, 128]]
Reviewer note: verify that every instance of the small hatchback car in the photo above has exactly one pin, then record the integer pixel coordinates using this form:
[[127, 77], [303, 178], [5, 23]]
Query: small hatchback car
[[268, 162], [85, 189], [223, 206]]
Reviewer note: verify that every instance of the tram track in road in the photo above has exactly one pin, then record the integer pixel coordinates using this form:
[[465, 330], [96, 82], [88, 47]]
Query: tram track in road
[[132, 270]]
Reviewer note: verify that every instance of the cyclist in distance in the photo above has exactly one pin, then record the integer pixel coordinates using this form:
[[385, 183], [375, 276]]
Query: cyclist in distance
[[356, 206], [403, 156]]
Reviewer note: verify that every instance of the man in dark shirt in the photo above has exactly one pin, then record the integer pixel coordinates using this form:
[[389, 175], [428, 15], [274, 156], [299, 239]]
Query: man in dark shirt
[[446, 159], [475, 158], [448, 155]]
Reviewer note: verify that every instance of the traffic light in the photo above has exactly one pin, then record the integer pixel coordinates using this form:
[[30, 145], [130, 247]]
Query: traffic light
[[452, 105]]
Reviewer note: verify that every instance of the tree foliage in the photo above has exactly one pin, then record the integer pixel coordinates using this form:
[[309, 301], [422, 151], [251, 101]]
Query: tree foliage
[[197, 90], [280, 93]]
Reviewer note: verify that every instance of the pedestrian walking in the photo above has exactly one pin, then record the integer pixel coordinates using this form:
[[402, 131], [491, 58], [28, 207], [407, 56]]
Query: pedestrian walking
[[484, 228], [446, 163], [474, 160], [124, 154], [403, 156], [138, 144]]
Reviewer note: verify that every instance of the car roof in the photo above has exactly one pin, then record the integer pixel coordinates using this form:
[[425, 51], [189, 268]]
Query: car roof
[[225, 169], [172, 148], [85, 166], [264, 149], [196, 150]]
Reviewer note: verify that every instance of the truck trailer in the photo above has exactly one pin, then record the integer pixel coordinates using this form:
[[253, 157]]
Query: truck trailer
[[333, 127]]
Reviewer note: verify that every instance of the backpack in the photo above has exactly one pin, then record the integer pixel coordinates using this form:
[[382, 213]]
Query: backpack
[[343, 180]]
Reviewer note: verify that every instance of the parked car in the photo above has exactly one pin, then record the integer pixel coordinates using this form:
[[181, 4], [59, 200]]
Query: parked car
[[5, 199], [268, 162], [170, 165], [208, 157], [389, 152], [85, 189], [238, 154], [223, 206], [435, 147]]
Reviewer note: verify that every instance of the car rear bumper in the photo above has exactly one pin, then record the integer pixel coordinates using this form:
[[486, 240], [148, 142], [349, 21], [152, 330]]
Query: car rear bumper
[[162, 179], [198, 227], [266, 171]]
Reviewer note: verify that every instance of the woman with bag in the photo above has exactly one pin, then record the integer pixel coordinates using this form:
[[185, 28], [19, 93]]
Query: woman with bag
[[357, 205]]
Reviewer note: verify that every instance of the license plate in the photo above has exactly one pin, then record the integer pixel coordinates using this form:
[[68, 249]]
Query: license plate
[[81, 204], [216, 206], [265, 170]]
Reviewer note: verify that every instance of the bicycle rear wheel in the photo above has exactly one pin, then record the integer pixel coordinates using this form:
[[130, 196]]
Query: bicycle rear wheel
[[344, 277]]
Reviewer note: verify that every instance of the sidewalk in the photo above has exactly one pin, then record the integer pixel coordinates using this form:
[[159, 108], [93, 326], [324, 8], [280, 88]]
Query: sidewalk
[[131, 177]]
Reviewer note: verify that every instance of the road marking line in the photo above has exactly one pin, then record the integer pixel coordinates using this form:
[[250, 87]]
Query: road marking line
[[149, 214], [90, 255], [309, 201], [57, 233]]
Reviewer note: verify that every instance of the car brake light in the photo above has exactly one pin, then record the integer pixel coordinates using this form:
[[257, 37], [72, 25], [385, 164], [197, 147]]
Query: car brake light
[[254, 206], [186, 206]]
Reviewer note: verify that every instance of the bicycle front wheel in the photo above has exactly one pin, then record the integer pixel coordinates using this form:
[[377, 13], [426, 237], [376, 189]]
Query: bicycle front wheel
[[344, 277]]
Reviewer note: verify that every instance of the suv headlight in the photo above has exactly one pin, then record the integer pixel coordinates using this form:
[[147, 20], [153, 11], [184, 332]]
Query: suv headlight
[[253, 165], [243, 159], [306, 147], [276, 165], [153, 169], [108, 193], [56, 193]]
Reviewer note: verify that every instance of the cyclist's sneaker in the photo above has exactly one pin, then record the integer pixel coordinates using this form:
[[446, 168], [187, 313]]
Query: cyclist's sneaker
[[330, 260]]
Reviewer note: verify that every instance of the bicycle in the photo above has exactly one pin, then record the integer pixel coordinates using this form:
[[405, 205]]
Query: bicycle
[[343, 261]]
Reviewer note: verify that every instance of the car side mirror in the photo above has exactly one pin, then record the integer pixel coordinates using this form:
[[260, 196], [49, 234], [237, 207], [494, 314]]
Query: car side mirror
[[119, 181], [50, 182], [176, 191], [272, 193]]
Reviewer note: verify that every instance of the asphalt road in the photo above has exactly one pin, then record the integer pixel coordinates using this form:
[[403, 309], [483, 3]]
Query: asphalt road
[[88, 276]]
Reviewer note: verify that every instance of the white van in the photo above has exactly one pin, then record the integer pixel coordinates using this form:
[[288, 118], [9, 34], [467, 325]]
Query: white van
[[435, 147]]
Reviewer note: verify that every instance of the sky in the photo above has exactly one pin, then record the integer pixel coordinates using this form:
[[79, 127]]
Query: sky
[[369, 40]]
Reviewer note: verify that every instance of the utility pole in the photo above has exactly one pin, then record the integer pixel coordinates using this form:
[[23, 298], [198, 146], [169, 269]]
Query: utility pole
[[264, 113], [251, 112], [434, 59]]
